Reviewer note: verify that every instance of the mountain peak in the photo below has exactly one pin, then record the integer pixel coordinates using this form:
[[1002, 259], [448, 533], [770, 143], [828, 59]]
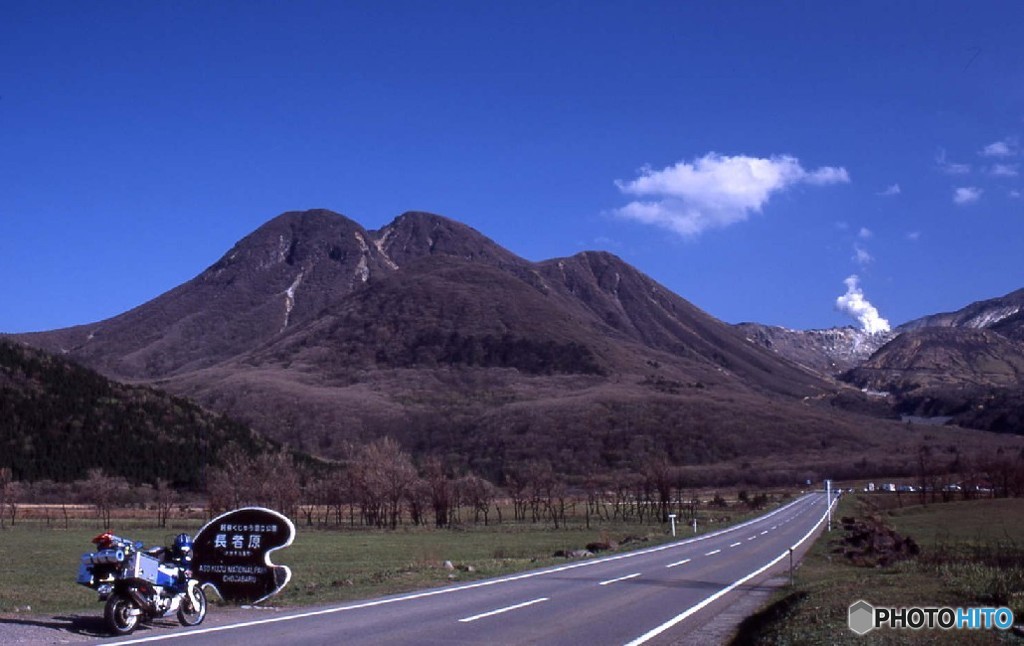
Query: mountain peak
[[292, 238], [416, 234]]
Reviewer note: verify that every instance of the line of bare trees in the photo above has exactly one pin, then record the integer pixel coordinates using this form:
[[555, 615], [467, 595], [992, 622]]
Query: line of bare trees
[[380, 485], [101, 492]]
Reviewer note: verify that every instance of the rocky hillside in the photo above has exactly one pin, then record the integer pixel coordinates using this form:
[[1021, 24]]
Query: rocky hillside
[[962, 367], [827, 352], [985, 314], [972, 376]]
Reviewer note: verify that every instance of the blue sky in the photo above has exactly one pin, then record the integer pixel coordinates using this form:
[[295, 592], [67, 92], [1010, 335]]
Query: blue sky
[[752, 157]]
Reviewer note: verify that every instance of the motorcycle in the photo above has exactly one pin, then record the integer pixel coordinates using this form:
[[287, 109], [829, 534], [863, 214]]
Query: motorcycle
[[141, 585]]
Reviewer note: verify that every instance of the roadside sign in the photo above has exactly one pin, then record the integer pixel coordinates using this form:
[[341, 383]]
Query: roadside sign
[[232, 553]]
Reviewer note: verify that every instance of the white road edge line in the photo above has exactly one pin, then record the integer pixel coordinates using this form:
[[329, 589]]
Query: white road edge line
[[501, 610], [621, 578], [712, 552], [683, 562], [726, 590], [469, 586]]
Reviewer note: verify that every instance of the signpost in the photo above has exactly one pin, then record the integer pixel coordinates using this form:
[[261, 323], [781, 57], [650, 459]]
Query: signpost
[[828, 501], [232, 553]]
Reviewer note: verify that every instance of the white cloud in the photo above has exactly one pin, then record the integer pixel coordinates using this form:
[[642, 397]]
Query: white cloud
[[891, 190], [950, 168], [1015, 194], [715, 190], [914, 236], [860, 309], [864, 233], [1004, 170], [967, 195], [861, 256], [1003, 148]]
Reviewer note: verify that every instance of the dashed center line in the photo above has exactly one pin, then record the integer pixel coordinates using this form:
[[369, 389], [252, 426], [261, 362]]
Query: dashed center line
[[752, 538], [712, 552], [501, 610], [683, 562], [764, 532], [621, 578], [736, 543]]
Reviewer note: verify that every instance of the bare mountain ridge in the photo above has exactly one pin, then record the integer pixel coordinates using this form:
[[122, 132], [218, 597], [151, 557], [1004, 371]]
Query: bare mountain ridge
[[836, 350], [242, 300], [827, 352], [966, 366], [302, 267], [316, 332], [989, 313], [970, 376], [962, 366], [943, 356]]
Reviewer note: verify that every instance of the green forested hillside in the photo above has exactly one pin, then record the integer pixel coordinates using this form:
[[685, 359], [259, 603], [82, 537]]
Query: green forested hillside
[[58, 419]]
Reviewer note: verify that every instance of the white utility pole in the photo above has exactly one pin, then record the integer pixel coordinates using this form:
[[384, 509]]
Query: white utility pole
[[828, 501]]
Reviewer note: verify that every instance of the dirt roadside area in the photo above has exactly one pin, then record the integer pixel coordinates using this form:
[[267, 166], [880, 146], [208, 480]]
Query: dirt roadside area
[[73, 628]]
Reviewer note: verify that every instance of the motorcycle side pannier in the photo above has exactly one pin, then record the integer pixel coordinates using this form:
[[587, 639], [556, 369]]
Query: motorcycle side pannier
[[146, 567]]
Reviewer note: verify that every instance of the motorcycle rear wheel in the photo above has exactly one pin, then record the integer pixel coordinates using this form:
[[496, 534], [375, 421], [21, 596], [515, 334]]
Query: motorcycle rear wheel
[[190, 615], [120, 614]]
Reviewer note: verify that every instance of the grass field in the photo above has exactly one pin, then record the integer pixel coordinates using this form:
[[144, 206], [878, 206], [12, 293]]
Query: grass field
[[40, 563], [971, 555]]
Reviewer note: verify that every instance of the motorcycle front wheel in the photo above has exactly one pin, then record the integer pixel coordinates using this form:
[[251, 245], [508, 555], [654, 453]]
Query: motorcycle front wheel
[[188, 613], [121, 614]]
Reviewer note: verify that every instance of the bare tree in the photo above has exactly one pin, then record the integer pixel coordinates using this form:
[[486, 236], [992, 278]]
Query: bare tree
[[275, 481], [517, 485], [659, 476], [338, 491], [229, 485], [440, 488], [164, 496], [99, 490], [9, 491], [314, 497], [269, 479], [479, 494], [383, 475]]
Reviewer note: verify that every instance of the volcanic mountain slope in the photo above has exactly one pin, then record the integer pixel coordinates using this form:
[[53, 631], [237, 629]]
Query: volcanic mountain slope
[[318, 332], [979, 315], [973, 376], [827, 352], [837, 350], [422, 275], [943, 357], [244, 299]]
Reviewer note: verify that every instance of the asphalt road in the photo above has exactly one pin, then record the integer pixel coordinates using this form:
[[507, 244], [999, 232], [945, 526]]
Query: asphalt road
[[651, 596]]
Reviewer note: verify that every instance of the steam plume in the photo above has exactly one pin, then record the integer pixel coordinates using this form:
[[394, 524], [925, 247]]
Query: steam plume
[[859, 309]]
